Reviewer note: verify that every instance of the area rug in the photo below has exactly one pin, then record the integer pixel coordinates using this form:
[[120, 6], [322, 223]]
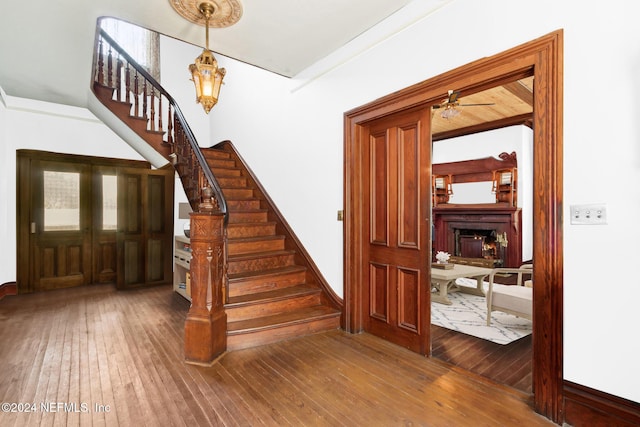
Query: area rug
[[468, 314]]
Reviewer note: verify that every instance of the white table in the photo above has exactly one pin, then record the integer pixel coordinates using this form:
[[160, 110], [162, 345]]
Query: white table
[[443, 281]]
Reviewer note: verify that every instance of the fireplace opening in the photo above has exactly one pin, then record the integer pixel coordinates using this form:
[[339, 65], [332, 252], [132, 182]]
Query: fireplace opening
[[472, 243]]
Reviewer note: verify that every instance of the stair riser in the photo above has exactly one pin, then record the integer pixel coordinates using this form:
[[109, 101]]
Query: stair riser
[[232, 182], [215, 154], [250, 230], [222, 163], [252, 311], [238, 193], [243, 205], [238, 248], [257, 264], [264, 283], [222, 172], [239, 341], [240, 217]]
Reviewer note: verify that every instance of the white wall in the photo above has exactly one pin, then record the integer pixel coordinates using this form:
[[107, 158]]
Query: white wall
[[294, 142], [35, 125], [518, 139]]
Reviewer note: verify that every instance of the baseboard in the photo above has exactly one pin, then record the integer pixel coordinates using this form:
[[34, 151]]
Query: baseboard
[[584, 406], [9, 288]]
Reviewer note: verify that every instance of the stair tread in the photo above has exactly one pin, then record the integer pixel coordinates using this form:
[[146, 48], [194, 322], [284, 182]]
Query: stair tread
[[273, 295], [292, 317], [269, 272]]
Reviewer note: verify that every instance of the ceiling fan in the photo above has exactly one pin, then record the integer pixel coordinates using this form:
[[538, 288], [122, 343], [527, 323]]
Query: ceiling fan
[[450, 103]]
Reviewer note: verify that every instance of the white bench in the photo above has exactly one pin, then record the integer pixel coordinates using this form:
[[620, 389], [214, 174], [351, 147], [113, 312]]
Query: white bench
[[513, 299]]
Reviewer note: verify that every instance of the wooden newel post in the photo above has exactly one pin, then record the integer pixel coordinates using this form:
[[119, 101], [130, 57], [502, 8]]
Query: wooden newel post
[[205, 334]]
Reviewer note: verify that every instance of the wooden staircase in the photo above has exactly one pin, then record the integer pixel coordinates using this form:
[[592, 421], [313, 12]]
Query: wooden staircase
[[272, 289], [272, 295]]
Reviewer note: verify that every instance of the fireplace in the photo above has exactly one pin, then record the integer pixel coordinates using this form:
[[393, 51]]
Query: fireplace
[[479, 231]]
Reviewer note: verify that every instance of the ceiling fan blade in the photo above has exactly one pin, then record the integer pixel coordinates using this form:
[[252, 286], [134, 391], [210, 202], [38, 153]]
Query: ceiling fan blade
[[453, 96]]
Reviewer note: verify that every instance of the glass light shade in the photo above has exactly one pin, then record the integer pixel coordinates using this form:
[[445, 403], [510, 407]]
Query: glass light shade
[[207, 78]]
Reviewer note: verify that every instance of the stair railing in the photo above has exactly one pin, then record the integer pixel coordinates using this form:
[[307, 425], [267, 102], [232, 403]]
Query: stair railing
[[114, 68]]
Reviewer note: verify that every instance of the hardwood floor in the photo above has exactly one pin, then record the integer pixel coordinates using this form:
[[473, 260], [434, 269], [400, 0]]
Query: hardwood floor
[[98, 356], [509, 364]]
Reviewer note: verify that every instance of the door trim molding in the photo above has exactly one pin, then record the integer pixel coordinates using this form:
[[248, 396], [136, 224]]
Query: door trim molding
[[542, 58]]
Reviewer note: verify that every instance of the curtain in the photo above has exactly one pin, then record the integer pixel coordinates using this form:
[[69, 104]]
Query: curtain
[[141, 44]]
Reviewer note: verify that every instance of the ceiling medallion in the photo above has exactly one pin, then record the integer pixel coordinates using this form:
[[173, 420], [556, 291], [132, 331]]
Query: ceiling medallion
[[227, 12]]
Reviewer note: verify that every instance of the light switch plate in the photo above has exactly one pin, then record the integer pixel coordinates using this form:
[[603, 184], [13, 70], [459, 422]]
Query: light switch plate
[[593, 214]]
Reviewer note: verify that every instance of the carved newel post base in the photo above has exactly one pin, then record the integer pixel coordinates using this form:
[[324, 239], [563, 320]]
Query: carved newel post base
[[205, 332]]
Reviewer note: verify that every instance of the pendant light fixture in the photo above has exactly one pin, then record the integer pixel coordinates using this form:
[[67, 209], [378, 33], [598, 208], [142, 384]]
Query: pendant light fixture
[[205, 73]]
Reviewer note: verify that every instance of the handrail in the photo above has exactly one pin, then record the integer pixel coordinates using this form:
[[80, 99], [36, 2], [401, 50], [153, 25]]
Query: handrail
[[186, 155]]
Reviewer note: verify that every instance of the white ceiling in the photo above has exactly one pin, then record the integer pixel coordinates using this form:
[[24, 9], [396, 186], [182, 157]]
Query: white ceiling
[[46, 46]]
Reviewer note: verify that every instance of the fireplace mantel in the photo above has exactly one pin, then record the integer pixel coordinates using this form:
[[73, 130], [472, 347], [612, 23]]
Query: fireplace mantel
[[491, 216]]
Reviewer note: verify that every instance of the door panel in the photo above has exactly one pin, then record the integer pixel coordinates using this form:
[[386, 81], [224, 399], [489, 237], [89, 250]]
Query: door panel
[[397, 253], [60, 229], [130, 237], [145, 226]]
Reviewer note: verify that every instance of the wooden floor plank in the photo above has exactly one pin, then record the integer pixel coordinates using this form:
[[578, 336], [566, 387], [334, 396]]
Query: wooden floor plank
[[96, 345], [509, 364]]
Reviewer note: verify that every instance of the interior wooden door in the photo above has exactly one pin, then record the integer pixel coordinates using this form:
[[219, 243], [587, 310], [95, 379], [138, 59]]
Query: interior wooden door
[[396, 222], [60, 228], [145, 227]]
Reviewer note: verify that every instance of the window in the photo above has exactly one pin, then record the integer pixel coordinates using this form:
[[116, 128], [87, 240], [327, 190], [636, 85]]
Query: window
[[61, 201], [141, 44]]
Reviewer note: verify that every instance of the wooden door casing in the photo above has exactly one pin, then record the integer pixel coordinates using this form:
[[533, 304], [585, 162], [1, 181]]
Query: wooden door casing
[[396, 277]]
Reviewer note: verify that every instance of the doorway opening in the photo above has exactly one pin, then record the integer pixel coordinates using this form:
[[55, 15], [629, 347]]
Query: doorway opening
[[541, 58]]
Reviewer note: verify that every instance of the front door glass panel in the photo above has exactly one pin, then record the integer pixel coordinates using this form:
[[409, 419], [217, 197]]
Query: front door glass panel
[[61, 201], [109, 202]]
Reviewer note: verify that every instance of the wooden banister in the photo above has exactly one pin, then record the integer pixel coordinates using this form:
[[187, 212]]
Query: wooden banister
[[132, 85]]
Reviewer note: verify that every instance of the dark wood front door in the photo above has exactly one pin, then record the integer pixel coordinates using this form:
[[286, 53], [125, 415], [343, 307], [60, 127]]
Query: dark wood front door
[[396, 222], [83, 220], [61, 225]]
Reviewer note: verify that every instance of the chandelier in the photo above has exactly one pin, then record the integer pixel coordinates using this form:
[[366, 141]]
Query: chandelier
[[205, 73]]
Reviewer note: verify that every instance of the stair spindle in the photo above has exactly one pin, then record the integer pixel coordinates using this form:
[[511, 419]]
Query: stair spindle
[[160, 99], [153, 110], [136, 99], [145, 111], [119, 80], [127, 83], [100, 62], [110, 67]]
